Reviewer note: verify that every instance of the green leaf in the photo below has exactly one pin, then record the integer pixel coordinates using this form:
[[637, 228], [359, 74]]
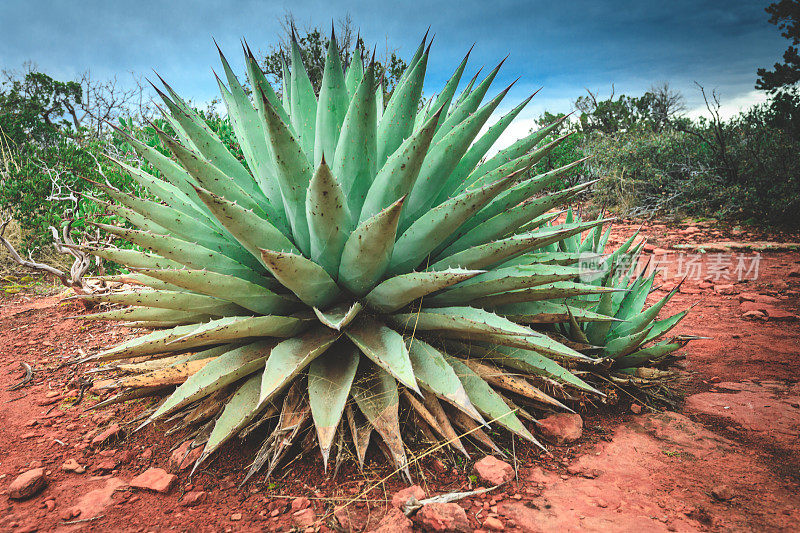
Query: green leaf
[[549, 291], [292, 356], [186, 253], [432, 228], [368, 250], [249, 129], [252, 231], [385, 347], [460, 320], [445, 97], [305, 278], [332, 106], [527, 361], [354, 164], [151, 314], [339, 316], [547, 312], [442, 160], [478, 151], [354, 74], [396, 178], [494, 253], [178, 301], [643, 356], [488, 401], [248, 295], [516, 150], [225, 369], [624, 345], [437, 376], [375, 393], [329, 380], [397, 122], [240, 410], [329, 220], [292, 170], [396, 292], [303, 103], [502, 280], [511, 219], [205, 140], [467, 106], [215, 180]]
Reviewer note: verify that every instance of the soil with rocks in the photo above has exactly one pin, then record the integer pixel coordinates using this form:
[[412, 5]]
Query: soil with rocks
[[727, 460]]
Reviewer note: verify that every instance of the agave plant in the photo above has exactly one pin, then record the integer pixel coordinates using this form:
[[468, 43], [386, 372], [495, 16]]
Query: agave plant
[[634, 341], [360, 253]]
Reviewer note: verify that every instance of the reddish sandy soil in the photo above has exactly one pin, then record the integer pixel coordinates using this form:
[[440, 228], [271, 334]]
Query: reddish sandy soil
[[729, 460]]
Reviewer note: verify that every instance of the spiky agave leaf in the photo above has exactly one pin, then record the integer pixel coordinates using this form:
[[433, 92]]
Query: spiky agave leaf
[[373, 248]]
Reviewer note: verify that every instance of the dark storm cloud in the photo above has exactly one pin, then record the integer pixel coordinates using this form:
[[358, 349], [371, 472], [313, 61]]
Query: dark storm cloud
[[564, 46]]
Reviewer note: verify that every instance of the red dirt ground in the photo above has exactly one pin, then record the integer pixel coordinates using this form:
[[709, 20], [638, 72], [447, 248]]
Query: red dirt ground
[[736, 437]]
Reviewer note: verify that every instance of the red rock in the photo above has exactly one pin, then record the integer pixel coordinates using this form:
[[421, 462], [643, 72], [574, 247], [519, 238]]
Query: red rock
[[49, 400], [754, 315], [28, 484], [94, 502], [304, 517], [758, 298], [442, 517], [588, 473], [561, 428], [105, 466], [402, 496], [155, 479], [722, 493], [236, 517], [636, 408], [537, 475], [106, 435], [49, 505], [394, 522], [493, 471], [71, 465], [774, 313], [300, 503], [126, 457], [195, 497], [725, 289], [438, 466], [180, 460], [146, 455], [493, 524], [520, 514]]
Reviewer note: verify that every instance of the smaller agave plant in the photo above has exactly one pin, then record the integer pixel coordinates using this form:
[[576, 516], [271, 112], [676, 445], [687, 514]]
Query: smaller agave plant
[[635, 341], [364, 259]]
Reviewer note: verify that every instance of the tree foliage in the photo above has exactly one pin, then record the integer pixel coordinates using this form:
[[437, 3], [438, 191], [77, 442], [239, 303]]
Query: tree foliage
[[314, 42], [784, 76]]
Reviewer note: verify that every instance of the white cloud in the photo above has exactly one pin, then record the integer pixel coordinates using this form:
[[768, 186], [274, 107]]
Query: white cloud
[[730, 107]]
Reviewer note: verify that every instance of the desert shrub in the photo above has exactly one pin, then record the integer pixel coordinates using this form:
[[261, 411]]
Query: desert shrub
[[645, 172]]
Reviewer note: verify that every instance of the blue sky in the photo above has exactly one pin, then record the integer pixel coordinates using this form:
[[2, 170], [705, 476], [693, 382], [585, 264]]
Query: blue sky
[[563, 46]]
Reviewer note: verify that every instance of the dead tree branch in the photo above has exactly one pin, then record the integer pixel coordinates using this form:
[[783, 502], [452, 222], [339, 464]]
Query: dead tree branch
[[64, 244]]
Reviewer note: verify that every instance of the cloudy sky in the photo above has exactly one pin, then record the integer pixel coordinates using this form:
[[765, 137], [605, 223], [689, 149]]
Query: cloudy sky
[[562, 46]]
